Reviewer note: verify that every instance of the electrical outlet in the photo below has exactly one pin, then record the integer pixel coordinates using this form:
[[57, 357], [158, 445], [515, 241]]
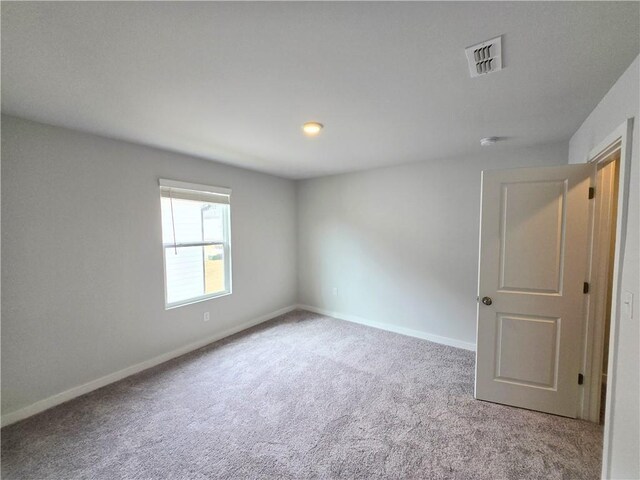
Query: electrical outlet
[[335, 291], [206, 316]]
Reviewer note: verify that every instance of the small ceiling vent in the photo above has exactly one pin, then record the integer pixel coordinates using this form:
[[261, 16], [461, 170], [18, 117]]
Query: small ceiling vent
[[486, 57]]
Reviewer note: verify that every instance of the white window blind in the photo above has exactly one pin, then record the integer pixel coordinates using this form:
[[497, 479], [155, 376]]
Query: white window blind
[[196, 241]]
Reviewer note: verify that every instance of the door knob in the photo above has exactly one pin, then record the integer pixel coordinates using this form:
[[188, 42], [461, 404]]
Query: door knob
[[487, 300]]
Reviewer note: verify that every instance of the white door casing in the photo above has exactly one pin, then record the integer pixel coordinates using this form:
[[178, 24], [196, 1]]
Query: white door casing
[[533, 265]]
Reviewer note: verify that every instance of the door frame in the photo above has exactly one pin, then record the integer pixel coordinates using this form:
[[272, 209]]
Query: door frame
[[619, 139], [599, 276]]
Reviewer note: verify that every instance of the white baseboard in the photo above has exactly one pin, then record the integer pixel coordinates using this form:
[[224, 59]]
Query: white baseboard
[[74, 392], [452, 342]]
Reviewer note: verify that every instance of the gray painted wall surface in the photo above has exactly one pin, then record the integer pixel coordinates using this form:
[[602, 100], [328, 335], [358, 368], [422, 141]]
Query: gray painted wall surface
[[401, 243], [620, 103], [82, 268]]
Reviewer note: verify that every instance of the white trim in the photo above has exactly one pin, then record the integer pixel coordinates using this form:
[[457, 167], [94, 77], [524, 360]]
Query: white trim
[[192, 300], [624, 134], [194, 186], [410, 332], [74, 392]]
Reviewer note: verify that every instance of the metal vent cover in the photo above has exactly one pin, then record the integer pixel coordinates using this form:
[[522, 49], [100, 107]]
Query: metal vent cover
[[485, 57]]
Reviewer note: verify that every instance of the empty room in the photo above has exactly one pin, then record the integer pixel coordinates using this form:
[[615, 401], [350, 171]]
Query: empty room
[[295, 240]]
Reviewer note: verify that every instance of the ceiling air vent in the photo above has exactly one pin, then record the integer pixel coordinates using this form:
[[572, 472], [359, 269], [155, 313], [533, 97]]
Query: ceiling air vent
[[486, 57]]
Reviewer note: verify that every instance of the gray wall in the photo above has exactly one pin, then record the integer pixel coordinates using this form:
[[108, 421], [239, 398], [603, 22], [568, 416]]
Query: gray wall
[[82, 269], [620, 103], [401, 244]]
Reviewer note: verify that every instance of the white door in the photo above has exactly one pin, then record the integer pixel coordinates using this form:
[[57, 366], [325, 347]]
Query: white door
[[533, 265]]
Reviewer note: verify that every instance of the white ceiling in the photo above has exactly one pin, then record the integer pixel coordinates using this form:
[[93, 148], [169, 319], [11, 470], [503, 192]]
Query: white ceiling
[[233, 82]]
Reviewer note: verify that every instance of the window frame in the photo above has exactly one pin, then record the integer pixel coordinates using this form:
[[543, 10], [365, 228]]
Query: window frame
[[226, 243]]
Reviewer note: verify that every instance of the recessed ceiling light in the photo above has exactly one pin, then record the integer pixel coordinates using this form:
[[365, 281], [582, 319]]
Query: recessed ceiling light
[[486, 141], [312, 129]]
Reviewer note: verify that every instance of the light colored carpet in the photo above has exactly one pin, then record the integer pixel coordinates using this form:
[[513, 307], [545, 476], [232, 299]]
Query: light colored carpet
[[303, 396]]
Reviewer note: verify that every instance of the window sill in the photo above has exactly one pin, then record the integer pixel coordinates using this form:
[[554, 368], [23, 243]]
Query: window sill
[[191, 301]]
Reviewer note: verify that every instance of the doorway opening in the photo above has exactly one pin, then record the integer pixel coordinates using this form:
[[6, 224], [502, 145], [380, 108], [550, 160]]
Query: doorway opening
[[605, 214], [608, 218]]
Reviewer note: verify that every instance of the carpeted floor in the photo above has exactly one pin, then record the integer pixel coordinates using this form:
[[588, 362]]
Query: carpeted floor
[[302, 396]]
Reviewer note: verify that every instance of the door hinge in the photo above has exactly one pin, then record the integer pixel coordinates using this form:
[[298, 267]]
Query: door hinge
[[580, 379], [592, 192], [585, 287]]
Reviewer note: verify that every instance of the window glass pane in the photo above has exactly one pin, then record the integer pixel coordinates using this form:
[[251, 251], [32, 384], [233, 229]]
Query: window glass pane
[[193, 221], [184, 273], [214, 269], [213, 221], [189, 277]]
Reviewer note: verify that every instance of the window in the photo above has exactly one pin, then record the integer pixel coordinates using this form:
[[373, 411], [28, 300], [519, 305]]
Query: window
[[195, 240]]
